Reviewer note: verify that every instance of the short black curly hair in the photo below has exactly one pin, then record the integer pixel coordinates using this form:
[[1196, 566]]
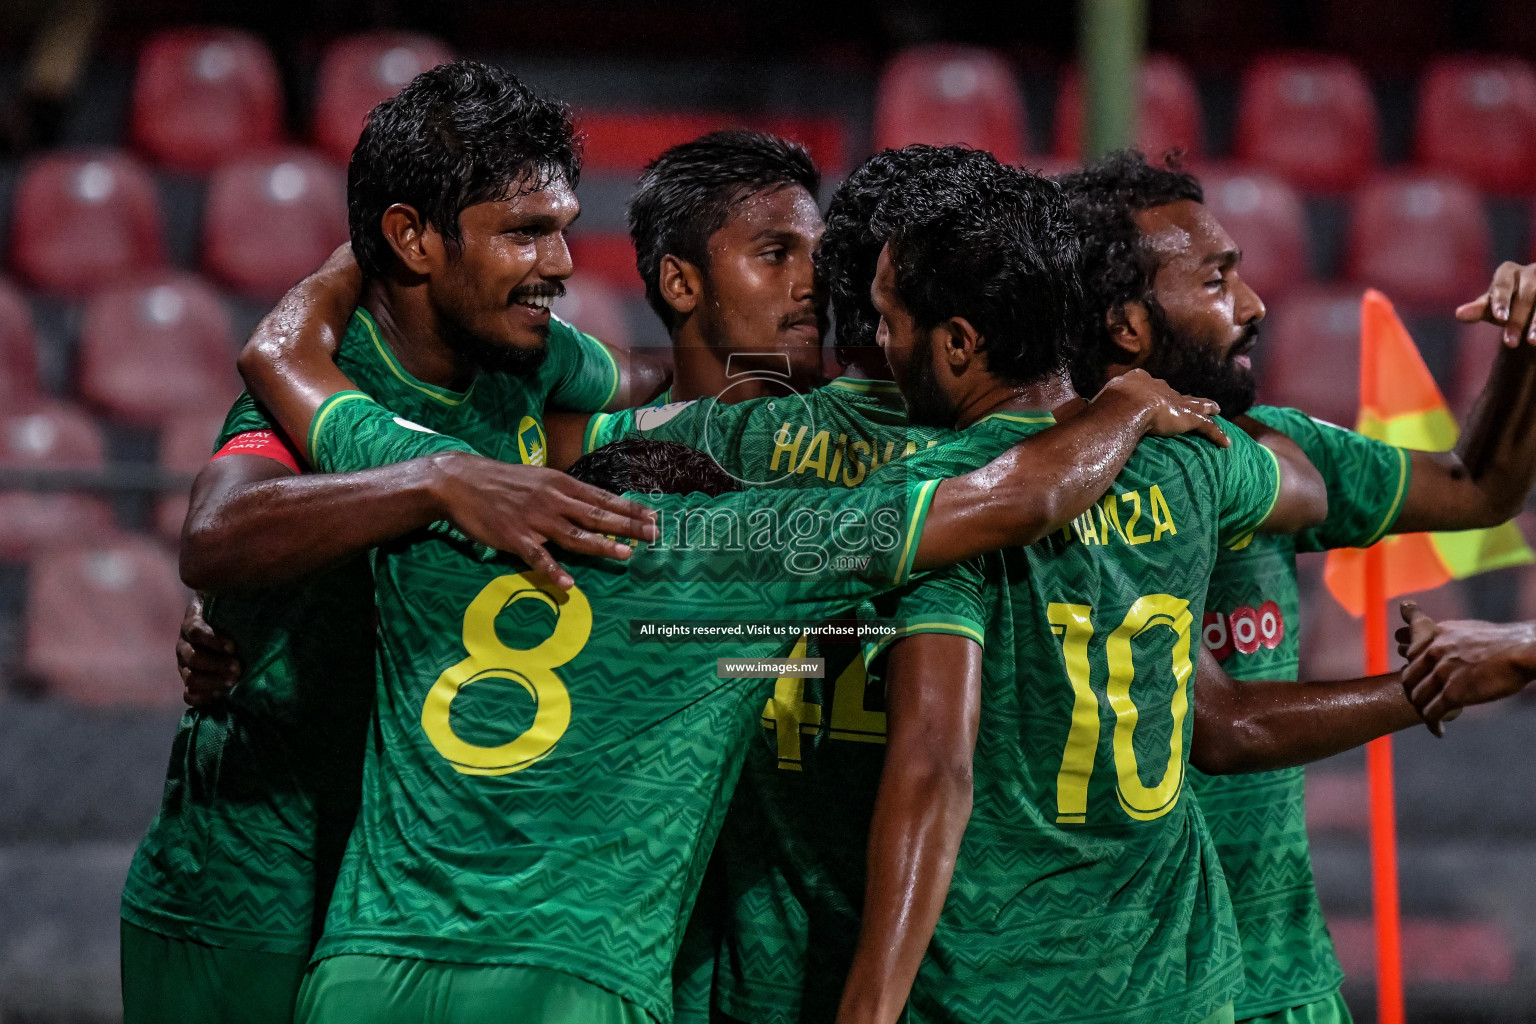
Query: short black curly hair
[[460, 134], [850, 248], [640, 465], [686, 194], [994, 245], [1105, 196]]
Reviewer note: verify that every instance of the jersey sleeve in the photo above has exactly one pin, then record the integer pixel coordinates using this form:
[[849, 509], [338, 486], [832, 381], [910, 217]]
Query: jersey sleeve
[[244, 416], [1367, 480], [947, 601], [248, 430], [582, 374], [1247, 482], [682, 422], [352, 432]]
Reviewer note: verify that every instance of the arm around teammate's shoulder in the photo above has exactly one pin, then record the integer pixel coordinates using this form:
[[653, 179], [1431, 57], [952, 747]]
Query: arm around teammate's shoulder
[[1296, 493]]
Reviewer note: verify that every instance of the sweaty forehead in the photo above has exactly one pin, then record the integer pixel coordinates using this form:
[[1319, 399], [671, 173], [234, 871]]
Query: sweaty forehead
[[1182, 232], [784, 209], [555, 201]]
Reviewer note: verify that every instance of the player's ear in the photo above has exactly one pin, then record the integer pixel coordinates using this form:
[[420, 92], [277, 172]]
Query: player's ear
[[1130, 328], [680, 284], [959, 341], [415, 244]]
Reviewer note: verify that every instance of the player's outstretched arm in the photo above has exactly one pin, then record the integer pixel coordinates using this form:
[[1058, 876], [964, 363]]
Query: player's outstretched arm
[[254, 522], [1485, 481], [1303, 500], [933, 704], [1261, 726], [1043, 483], [1452, 665]]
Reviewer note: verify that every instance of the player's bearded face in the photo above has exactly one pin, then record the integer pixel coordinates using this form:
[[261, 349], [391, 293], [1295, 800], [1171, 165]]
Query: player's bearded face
[[927, 404], [1197, 366], [492, 293]]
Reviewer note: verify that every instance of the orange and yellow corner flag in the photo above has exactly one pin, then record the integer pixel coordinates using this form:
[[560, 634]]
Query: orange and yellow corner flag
[[1400, 404]]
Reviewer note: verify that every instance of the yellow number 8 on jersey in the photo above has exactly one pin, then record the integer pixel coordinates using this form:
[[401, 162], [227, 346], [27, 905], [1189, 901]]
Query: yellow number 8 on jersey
[[531, 669]]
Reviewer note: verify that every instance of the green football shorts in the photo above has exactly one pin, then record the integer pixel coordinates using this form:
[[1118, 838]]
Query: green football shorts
[[177, 981], [358, 989], [1330, 1010]]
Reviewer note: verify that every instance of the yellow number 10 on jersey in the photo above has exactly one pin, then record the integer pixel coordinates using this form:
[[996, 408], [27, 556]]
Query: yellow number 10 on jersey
[[532, 669], [1073, 623]]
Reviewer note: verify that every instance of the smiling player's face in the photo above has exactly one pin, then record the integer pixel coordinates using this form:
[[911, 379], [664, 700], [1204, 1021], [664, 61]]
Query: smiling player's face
[[493, 294]]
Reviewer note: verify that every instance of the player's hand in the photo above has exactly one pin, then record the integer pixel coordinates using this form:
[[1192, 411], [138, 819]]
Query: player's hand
[[519, 509], [1167, 412], [1453, 665], [206, 660], [1509, 302]]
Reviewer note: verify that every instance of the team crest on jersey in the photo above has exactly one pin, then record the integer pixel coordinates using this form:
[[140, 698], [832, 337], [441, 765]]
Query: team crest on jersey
[[530, 442], [1244, 630]]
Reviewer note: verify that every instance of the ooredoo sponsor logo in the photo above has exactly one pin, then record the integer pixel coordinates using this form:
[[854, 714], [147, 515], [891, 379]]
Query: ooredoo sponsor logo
[[1244, 630]]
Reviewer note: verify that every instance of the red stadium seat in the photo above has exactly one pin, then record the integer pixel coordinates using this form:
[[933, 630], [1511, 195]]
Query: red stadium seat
[[1168, 115], [1309, 118], [186, 442], [609, 258], [624, 142], [157, 350], [1310, 352], [1265, 217], [271, 220], [84, 220], [951, 95], [592, 306], [360, 72], [102, 622], [18, 352], [1477, 121], [52, 436], [1424, 241], [203, 96]]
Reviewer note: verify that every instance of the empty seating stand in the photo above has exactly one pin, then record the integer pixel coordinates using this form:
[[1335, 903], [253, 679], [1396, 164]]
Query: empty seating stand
[[1310, 118], [203, 96], [84, 219], [1167, 113], [102, 622], [623, 142], [49, 436], [360, 72], [1423, 240], [1310, 352], [186, 442], [272, 219], [157, 350], [945, 95], [18, 352], [1477, 120]]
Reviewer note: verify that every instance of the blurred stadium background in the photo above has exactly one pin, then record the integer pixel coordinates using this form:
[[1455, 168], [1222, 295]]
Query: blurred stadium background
[[169, 167]]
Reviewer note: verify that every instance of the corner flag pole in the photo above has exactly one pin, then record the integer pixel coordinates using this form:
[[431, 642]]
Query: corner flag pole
[[1378, 758]]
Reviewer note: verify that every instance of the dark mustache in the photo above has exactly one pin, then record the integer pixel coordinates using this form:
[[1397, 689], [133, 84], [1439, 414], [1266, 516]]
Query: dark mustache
[[554, 289], [804, 316], [1245, 344]]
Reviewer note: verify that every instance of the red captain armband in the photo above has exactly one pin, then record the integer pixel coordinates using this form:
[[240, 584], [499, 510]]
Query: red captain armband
[[269, 444]]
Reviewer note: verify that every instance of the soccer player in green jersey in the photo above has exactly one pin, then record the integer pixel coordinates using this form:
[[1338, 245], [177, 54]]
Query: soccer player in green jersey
[[1076, 893], [226, 892], [1164, 280]]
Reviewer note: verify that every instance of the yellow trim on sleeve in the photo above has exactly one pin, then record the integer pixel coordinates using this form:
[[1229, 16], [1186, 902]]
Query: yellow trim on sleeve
[[915, 528], [322, 414], [1404, 475], [589, 441]]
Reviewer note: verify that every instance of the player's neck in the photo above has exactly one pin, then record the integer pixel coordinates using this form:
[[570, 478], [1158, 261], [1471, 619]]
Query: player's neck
[[1052, 393], [410, 328], [701, 370]]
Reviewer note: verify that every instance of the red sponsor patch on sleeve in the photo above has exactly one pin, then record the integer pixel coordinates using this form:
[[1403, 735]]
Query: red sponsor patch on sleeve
[[269, 444]]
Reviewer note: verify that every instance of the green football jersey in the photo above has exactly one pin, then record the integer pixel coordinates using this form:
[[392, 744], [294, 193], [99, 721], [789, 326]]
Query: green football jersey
[[1085, 889], [262, 791], [261, 794], [1253, 626], [834, 436], [543, 787]]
